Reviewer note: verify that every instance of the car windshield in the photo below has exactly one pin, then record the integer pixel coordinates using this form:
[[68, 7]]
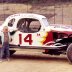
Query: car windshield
[[45, 21]]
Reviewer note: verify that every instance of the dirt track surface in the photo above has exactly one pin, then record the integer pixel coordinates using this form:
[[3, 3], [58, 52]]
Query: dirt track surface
[[35, 62]]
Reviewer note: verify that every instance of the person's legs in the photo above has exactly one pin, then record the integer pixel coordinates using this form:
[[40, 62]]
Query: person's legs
[[1, 53], [7, 51]]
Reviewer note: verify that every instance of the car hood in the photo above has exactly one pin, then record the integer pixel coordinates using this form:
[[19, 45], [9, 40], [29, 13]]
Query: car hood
[[59, 27]]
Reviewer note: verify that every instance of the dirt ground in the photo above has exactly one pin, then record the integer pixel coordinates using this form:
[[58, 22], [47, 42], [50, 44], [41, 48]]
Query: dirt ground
[[35, 61]]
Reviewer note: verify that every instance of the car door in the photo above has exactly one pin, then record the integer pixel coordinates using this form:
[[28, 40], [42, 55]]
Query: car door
[[30, 33]]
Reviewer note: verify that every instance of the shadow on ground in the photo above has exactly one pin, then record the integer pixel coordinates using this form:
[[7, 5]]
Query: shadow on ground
[[39, 57]]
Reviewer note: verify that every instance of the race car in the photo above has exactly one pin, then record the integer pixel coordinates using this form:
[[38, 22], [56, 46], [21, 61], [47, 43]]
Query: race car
[[32, 31]]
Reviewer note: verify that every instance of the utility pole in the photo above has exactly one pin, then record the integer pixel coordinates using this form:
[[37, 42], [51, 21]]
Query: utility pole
[[62, 14], [54, 12]]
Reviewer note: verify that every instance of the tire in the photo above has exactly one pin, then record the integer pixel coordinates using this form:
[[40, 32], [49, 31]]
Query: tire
[[12, 52], [69, 53]]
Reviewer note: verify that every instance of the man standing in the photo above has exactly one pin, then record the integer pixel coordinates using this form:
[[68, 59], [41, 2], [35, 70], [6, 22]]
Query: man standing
[[5, 36]]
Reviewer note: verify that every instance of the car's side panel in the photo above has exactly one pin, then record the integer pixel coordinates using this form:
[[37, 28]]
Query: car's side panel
[[31, 39]]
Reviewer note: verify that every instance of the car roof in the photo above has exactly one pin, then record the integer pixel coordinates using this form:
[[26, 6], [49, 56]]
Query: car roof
[[26, 15]]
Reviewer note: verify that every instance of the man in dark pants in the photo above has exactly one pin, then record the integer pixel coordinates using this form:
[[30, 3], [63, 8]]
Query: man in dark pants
[[5, 37]]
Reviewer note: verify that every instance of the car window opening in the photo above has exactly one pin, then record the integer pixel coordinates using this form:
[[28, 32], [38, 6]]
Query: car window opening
[[27, 25], [11, 22]]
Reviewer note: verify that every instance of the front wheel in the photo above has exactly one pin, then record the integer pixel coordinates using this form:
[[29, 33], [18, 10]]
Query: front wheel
[[69, 53]]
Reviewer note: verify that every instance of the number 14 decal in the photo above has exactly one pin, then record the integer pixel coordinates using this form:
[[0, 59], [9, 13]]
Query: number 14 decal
[[28, 39]]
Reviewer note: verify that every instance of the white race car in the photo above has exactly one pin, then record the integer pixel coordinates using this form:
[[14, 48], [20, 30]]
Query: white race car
[[32, 31]]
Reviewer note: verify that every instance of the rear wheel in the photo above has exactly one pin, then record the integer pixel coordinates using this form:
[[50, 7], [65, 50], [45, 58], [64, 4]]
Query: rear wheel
[[12, 52], [69, 53]]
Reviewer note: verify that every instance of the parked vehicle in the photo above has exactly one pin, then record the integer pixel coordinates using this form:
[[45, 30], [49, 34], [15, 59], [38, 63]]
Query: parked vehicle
[[32, 31]]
